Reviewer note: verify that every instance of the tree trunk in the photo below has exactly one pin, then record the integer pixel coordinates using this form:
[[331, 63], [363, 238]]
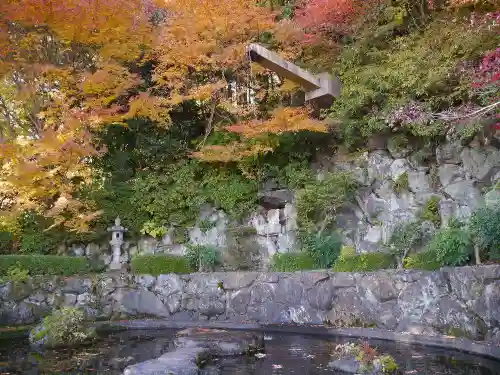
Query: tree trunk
[[476, 254], [324, 224]]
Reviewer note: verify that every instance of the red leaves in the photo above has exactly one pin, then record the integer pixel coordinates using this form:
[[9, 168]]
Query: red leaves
[[367, 353], [488, 72], [330, 15]]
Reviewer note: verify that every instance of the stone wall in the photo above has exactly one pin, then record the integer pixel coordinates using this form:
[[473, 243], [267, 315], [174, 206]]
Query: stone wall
[[461, 176], [460, 300], [268, 231]]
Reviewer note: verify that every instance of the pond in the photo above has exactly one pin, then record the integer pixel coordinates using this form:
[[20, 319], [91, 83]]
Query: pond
[[285, 354]]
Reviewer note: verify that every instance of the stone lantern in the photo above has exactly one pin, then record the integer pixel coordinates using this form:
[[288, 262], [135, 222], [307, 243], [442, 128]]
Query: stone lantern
[[116, 243]]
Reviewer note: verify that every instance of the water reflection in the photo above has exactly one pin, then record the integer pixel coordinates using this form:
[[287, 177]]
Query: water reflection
[[285, 354]]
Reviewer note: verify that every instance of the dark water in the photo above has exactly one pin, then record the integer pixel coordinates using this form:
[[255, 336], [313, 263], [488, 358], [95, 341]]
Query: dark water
[[285, 354]]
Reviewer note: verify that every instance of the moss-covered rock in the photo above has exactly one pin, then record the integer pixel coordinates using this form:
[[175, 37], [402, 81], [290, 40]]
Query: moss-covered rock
[[63, 327], [363, 359]]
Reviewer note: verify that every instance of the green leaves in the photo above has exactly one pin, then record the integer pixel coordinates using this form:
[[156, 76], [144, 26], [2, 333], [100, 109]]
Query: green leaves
[[323, 249], [291, 262], [160, 264], [366, 262], [452, 247], [423, 66], [319, 201], [202, 257], [45, 264], [485, 225]]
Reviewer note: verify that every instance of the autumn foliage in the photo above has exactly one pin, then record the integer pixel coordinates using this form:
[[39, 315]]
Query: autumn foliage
[[68, 68], [62, 75], [328, 14], [283, 120]]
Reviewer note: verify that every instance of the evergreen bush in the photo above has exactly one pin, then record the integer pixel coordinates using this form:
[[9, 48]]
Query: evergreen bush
[[366, 262], [452, 247], [46, 264], [291, 262], [160, 264]]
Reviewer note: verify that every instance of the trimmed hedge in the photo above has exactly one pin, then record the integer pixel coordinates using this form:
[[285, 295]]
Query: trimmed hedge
[[160, 264], [45, 264], [291, 262], [366, 262]]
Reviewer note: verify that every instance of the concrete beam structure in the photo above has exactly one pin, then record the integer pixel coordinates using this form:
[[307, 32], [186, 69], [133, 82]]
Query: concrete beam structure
[[320, 89]]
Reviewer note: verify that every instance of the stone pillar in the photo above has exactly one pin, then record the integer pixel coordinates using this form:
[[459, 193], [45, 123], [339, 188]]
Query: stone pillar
[[116, 243]]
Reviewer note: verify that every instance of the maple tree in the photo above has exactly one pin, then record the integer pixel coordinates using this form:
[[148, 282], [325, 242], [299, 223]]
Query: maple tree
[[64, 70], [202, 56], [69, 68], [255, 134], [325, 15], [334, 18]]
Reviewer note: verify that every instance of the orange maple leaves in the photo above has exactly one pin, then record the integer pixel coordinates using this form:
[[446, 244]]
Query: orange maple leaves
[[255, 134], [75, 66], [119, 27], [283, 120], [66, 59], [202, 40], [325, 14]]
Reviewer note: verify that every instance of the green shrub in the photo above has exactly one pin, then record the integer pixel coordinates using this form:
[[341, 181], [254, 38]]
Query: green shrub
[[16, 274], [430, 211], [389, 364], [407, 236], [399, 142], [425, 260], [453, 247], [324, 249], [160, 264], [291, 262], [347, 251], [380, 76], [318, 201], [65, 327], [46, 264], [485, 226], [202, 257], [401, 184], [364, 262]]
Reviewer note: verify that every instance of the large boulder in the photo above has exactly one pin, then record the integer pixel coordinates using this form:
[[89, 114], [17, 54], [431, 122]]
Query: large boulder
[[465, 193], [379, 165], [195, 348], [449, 153], [63, 328], [140, 302], [362, 359], [481, 164]]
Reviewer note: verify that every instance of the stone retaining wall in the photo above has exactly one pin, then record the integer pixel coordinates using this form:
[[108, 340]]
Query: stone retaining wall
[[459, 301]]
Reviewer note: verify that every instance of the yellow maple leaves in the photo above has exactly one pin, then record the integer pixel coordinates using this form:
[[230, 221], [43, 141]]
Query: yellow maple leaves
[[283, 119], [42, 174]]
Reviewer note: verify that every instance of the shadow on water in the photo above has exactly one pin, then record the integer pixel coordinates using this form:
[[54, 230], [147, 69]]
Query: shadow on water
[[285, 354]]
